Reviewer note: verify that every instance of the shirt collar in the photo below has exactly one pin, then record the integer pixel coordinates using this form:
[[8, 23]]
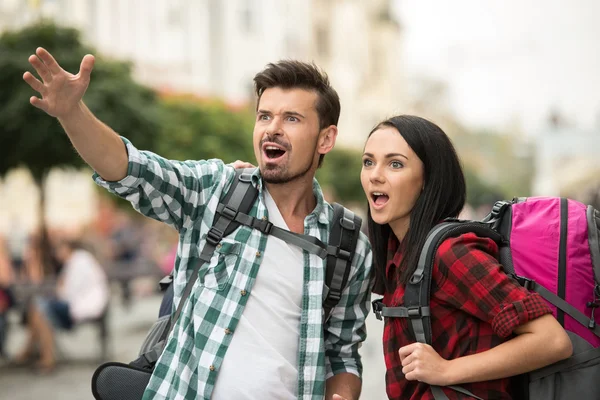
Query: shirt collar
[[321, 210]]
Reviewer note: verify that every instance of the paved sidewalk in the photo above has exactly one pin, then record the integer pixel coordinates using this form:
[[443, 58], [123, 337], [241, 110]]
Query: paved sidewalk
[[79, 356]]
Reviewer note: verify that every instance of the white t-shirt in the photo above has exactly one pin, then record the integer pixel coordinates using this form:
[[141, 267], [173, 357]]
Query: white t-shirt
[[261, 362], [84, 286]]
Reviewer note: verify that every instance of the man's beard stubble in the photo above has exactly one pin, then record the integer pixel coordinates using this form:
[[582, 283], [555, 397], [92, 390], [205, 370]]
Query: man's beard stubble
[[282, 176]]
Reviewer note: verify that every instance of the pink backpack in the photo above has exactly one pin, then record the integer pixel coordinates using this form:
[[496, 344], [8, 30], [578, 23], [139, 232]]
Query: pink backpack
[[551, 246]]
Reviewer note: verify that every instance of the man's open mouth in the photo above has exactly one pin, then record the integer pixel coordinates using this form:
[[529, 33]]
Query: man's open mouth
[[273, 152]]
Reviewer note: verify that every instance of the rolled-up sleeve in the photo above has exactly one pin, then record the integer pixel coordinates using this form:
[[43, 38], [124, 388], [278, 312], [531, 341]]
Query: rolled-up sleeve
[[174, 192], [346, 330], [515, 314]]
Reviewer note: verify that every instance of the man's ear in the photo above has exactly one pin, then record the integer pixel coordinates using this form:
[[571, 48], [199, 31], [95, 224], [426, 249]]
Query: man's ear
[[327, 138]]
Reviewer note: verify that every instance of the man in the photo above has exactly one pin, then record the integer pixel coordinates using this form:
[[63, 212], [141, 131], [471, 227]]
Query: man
[[252, 328]]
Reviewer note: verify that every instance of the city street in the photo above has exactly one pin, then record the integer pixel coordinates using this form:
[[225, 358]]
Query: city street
[[79, 351]]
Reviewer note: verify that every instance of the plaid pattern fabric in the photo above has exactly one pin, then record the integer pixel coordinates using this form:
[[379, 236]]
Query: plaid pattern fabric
[[474, 307], [185, 195]]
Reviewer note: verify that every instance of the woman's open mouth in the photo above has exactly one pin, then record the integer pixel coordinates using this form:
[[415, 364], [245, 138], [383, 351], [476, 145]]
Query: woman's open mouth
[[379, 199]]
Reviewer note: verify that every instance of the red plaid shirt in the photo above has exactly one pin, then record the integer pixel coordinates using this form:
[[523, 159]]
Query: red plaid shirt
[[474, 307]]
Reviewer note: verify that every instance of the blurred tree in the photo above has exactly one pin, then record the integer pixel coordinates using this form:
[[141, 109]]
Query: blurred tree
[[195, 129], [479, 192], [340, 173], [30, 138]]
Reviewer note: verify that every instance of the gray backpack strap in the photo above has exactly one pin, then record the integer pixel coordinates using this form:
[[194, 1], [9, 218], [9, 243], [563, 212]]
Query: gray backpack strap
[[418, 290], [343, 237], [593, 220]]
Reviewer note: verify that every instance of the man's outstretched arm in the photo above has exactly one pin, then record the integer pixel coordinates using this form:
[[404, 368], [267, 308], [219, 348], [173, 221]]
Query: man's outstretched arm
[[61, 97]]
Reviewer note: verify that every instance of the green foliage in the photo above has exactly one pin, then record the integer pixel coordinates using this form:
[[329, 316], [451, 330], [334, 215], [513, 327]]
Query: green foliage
[[340, 173], [480, 192], [31, 138], [193, 129]]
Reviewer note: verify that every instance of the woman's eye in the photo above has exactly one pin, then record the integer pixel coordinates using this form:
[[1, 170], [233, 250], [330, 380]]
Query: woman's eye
[[367, 163], [396, 164]]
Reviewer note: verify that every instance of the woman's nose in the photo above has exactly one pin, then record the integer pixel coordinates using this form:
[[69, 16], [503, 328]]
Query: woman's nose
[[377, 175]]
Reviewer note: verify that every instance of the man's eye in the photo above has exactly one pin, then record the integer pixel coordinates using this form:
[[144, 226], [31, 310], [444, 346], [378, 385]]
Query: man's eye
[[263, 117]]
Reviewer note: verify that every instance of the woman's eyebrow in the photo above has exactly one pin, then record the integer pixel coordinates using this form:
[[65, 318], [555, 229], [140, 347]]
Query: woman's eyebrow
[[388, 155]]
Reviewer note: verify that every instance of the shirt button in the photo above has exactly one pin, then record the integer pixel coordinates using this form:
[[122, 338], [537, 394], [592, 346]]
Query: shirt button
[[243, 292], [264, 218], [258, 254], [228, 331], [219, 246], [212, 367]]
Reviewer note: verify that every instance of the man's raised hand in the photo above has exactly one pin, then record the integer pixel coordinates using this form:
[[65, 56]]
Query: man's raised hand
[[60, 90]]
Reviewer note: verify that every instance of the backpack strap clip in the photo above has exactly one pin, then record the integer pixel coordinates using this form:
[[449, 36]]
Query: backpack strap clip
[[262, 225], [378, 308], [343, 254], [228, 212], [347, 223], [165, 282], [214, 236], [527, 283]]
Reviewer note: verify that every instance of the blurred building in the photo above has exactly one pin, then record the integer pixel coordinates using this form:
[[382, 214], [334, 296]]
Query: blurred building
[[566, 160], [215, 47]]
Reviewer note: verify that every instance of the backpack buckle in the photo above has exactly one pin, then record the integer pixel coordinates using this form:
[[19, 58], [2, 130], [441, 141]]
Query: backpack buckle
[[527, 283], [228, 213], [377, 308], [165, 282], [499, 208], [262, 225], [343, 254], [347, 223], [214, 236]]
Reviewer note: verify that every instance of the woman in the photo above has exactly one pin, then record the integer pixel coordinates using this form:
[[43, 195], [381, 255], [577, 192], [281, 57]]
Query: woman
[[484, 330]]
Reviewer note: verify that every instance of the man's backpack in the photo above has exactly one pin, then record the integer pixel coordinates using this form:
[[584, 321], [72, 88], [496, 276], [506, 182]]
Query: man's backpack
[[119, 381], [550, 246]]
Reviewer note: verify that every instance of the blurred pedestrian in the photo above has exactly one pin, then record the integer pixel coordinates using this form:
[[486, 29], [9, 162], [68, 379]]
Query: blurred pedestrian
[[81, 294]]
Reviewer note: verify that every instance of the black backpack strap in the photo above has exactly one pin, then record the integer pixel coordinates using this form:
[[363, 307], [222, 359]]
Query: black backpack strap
[[343, 237], [240, 198]]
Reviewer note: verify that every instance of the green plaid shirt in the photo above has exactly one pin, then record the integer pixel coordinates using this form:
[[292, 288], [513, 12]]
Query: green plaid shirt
[[185, 195]]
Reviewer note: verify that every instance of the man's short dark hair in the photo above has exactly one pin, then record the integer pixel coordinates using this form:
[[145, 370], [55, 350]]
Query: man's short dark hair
[[293, 74]]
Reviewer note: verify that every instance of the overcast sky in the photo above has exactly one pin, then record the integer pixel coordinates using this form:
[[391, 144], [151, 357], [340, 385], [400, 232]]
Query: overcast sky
[[508, 59]]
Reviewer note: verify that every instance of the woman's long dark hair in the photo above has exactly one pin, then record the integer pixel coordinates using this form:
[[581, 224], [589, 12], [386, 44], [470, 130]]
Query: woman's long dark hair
[[443, 195]]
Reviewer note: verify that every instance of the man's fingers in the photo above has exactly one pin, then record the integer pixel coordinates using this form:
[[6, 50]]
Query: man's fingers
[[34, 82], [338, 397], [48, 60], [39, 103], [40, 68], [87, 64]]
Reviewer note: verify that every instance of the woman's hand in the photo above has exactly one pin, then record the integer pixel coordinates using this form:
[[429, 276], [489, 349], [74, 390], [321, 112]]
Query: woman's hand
[[420, 362], [237, 164]]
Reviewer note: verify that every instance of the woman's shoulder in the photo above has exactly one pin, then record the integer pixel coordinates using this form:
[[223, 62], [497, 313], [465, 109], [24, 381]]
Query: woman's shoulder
[[459, 256], [466, 244]]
